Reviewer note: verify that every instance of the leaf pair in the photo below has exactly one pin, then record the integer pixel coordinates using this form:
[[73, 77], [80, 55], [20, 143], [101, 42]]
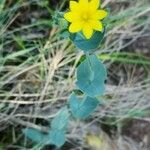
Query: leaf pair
[[56, 135], [87, 45], [91, 75], [81, 108]]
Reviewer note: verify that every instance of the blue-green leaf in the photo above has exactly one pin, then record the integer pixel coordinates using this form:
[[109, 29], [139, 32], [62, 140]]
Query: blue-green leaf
[[91, 75], [64, 34], [60, 122], [82, 107], [87, 44], [36, 136], [57, 137], [58, 127]]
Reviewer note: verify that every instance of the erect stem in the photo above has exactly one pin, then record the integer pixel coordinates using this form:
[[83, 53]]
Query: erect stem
[[90, 66], [88, 59]]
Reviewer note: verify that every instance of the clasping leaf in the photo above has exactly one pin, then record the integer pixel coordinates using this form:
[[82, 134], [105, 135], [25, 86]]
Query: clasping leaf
[[87, 44], [91, 76], [82, 107]]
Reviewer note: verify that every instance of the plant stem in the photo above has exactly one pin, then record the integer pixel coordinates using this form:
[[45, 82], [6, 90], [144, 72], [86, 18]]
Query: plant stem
[[90, 66]]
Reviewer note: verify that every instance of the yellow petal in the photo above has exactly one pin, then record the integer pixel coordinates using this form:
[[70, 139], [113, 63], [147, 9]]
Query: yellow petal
[[94, 4], [70, 16], [96, 25], [84, 5], [83, 1], [99, 15], [75, 27], [73, 5], [87, 31]]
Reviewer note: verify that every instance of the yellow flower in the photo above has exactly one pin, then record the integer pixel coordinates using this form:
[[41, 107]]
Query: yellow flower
[[85, 16]]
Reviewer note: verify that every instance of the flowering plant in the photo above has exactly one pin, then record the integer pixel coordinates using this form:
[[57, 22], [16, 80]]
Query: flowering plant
[[83, 23]]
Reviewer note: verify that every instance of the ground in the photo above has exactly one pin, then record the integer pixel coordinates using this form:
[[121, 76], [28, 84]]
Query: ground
[[37, 75]]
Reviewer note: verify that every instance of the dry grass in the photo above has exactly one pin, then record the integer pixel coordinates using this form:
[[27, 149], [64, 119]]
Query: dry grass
[[37, 72]]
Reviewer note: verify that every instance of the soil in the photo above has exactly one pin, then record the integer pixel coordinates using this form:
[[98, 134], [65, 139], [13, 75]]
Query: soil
[[138, 130]]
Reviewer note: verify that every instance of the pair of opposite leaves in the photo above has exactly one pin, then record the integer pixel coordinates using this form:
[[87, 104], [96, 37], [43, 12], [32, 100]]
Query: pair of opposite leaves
[[91, 75]]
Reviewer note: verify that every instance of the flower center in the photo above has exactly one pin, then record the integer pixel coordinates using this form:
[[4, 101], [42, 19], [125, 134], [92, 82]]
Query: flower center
[[85, 16]]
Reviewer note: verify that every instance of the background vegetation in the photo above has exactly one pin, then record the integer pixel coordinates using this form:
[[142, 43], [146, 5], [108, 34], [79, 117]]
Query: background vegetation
[[37, 74]]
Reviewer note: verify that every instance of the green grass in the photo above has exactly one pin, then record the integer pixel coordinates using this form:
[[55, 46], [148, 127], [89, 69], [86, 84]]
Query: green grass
[[38, 66], [126, 58]]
